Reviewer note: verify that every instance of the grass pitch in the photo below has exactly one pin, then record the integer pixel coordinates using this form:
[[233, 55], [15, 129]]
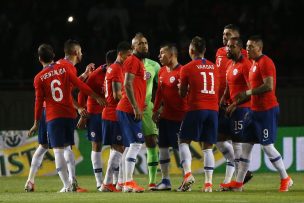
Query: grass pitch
[[262, 188]]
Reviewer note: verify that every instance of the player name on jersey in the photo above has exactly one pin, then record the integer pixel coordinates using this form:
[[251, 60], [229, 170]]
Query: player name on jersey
[[51, 73], [205, 66]]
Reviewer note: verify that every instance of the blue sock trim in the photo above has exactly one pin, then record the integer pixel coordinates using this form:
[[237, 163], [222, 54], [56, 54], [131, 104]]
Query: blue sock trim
[[229, 164], [164, 161], [131, 160], [58, 169], [153, 164], [208, 168], [98, 170], [275, 159]]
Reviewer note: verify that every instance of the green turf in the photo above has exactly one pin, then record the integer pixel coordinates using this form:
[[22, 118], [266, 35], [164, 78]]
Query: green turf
[[262, 188]]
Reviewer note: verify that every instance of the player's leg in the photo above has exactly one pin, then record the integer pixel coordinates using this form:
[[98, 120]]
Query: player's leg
[[150, 131], [269, 122], [132, 137], [38, 155], [57, 132], [209, 137]]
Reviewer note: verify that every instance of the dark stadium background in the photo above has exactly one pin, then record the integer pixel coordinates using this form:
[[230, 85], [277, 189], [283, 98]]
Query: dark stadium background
[[100, 24]]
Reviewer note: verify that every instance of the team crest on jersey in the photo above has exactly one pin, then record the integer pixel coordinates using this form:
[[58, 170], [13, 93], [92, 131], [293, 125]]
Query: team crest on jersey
[[139, 135], [254, 69], [109, 70], [118, 137], [172, 79], [93, 134], [148, 75], [235, 71]]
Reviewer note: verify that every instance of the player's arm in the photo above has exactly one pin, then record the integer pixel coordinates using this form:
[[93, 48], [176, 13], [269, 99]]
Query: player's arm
[[39, 98], [128, 83], [80, 109], [225, 97], [89, 69], [157, 104], [86, 89], [183, 87], [116, 88]]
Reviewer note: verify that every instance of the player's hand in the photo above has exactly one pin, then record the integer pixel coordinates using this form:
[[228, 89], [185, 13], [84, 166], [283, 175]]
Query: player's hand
[[230, 109], [90, 68], [137, 114], [82, 123], [101, 101], [241, 97], [155, 117], [82, 112], [33, 130]]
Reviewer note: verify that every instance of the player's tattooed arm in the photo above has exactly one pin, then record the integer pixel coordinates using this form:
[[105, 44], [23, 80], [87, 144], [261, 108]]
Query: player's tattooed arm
[[116, 87]]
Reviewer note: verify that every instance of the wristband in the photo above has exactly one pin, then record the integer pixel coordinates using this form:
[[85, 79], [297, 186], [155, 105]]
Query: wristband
[[248, 92]]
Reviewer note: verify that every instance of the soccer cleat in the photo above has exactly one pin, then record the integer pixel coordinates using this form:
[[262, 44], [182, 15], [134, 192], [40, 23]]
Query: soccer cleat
[[79, 189], [207, 187], [108, 188], [132, 186], [286, 183], [152, 186], [224, 187], [76, 188], [187, 183], [29, 186], [163, 185], [67, 189], [236, 186], [119, 186], [248, 177]]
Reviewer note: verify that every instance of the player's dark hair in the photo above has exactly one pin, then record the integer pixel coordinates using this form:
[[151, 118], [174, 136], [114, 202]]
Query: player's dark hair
[[123, 46], [238, 40], [199, 44], [256, 38], [171, 47], [46, 53], [111, 56], [69, 46], [232, 27]]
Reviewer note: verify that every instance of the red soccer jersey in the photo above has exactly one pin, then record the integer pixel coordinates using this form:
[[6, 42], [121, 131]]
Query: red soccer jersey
[[174, 107], [94, 81], [237, 78], [53, 85], [114, 74], [260, 69], [221, 63], [201, 78], [135, 66], [68, 63]]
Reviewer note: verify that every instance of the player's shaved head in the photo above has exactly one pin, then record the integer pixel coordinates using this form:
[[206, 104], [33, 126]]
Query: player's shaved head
[[140, 46], [137, 37], [198, 44], [257, 39], [171, 48], [70, 46], [46, 53]]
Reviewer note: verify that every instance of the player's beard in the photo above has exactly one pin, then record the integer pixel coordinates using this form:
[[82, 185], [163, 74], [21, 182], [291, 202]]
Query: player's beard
[[142, 55]]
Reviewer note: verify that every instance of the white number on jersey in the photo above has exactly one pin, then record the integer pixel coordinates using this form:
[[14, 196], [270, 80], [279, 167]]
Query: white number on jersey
[[106, 88], [205, 91], [56, 89]]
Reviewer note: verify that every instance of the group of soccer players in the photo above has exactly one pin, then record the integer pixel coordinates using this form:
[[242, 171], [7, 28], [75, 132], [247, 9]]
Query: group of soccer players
[[230, 104]]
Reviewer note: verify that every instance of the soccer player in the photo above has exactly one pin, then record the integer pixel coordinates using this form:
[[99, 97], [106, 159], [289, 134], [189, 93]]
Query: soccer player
[[199, 81], [264, 106], [231, 151], [53, 85], [169, 109], [149, 127], [130, 109], [73, 56], [111, 132], [93, 121], [239, 113]]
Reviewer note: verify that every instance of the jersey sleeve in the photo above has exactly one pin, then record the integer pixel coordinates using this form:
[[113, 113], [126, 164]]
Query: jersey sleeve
[[183, 77], [130, 66], [267, 69], [39, 98], [246, 69]]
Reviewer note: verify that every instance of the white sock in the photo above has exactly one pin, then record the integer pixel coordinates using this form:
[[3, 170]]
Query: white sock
[[164, 160], [122, 169], [244, 162], [36, 162], [237, 148], [131, 160], [97, 167], [70, 160], [115, 174], [113, 163], [227, 150], [209, 164], [61, 167], [185, 157], [120, 172], [276, 159]]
